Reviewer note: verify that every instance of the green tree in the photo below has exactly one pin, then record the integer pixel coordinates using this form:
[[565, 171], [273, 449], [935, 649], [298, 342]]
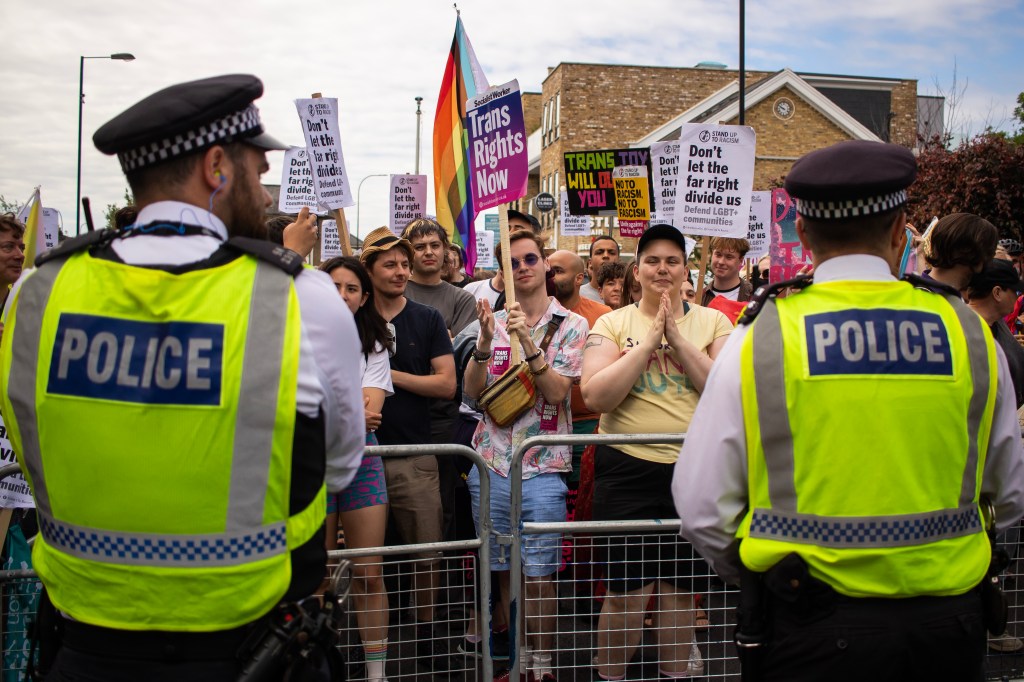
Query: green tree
[[1018, 115], [9, 206], [108, 215]]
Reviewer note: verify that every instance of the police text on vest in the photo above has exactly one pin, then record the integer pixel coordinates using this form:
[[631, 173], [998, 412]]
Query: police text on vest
[[878, 341], [159, 363]]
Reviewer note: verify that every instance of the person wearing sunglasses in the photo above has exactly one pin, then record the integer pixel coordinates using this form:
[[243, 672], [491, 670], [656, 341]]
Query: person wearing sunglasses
[[762, 272], [552, 341]]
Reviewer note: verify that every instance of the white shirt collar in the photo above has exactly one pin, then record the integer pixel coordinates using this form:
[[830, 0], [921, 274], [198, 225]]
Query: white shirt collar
[[178, 212], [856, 267]]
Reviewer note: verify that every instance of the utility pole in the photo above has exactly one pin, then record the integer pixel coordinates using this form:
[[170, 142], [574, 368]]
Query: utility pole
[[743, 64]]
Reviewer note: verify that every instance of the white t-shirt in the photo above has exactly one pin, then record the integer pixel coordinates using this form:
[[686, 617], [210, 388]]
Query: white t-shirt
[[482, 289], [731, 294], [376, 371]]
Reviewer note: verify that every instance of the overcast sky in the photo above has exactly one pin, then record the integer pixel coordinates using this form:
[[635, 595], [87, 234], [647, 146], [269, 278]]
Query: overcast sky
[[376, 57]]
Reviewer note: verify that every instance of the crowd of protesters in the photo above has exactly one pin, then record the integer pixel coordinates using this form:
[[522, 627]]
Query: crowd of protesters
[[614, 346], [649, 349], [630, 353]]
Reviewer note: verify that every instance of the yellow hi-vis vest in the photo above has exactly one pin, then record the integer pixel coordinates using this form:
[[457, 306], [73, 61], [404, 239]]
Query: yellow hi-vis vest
[[867, 408], [153, 414]]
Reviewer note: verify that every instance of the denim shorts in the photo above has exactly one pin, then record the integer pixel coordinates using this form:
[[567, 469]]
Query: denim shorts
[[543, 501]]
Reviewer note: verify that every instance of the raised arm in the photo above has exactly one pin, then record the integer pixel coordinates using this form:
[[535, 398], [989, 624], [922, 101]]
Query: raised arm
[[475, 377]]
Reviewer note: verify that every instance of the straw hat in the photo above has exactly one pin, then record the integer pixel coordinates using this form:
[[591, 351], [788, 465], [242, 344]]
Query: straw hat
[[383, 239]]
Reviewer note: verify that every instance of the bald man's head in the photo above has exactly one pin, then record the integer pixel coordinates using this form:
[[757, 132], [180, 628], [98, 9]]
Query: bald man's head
[[567, 271]]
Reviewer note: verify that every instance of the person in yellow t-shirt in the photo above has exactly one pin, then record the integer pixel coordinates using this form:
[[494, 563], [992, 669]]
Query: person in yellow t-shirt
[[644, 367]]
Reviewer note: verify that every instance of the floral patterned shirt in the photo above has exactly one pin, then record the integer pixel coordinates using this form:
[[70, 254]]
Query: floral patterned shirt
[[565, 355]]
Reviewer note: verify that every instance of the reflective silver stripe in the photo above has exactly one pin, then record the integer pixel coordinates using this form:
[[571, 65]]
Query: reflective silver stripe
[[772, 411], [33, 296], [865, 531], [977, 352], [257, 406], [151, 549]]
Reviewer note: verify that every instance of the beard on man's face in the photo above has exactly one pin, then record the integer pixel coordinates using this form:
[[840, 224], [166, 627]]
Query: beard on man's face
[[245, 209]]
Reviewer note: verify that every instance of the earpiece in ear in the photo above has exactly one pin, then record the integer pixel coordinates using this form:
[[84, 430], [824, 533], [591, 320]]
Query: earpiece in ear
[[223, 178]]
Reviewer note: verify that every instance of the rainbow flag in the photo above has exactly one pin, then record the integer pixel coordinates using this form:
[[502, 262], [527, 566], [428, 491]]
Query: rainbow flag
[[463, 78]]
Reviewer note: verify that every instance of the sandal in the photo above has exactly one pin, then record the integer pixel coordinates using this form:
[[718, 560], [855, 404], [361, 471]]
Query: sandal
[[700, 618]]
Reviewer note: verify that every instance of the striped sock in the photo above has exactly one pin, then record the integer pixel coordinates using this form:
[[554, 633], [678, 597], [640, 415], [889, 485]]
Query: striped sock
[[541, 664], [376, 656]]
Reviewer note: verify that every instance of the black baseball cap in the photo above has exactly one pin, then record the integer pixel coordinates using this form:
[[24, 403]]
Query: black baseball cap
[[534, 223], [661, 231], [996, 273]]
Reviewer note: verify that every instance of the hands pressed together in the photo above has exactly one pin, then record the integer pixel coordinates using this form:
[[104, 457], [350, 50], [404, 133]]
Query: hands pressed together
[[664, 327]]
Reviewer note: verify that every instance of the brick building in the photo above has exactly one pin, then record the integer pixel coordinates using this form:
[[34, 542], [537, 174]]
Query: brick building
[[602, 106]]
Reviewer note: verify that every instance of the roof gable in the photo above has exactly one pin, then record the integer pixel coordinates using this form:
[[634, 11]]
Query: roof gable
[[724, 105]]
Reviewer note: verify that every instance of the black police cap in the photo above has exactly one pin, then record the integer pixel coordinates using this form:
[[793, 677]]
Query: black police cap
[[186, 118], [851, 179]]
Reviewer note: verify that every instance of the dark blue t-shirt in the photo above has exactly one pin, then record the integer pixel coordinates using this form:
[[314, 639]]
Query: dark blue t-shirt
[[420, 336]]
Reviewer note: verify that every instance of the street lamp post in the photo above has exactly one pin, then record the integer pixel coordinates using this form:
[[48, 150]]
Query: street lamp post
[[359, 201], [419, 116], [120, 56]]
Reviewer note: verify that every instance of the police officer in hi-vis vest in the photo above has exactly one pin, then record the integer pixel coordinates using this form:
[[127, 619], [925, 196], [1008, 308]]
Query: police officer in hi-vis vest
[[850, 444], [178, 394]]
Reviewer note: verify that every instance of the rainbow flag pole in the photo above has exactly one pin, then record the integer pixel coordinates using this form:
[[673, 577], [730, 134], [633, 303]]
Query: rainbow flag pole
[[463, 78]]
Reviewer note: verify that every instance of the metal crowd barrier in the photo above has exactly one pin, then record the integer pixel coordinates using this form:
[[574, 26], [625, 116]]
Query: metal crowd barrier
[[464, 588], [579, 590], [580, 594]]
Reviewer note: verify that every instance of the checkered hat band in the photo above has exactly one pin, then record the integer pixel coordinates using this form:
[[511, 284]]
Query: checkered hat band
[[245, 123], [830, 210]]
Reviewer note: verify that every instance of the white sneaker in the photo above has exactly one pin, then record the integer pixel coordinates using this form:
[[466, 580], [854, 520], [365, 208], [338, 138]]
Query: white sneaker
[[695, 667]]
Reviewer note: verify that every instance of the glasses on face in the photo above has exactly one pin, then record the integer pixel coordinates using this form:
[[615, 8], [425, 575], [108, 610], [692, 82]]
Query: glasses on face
[[764, 275], [530, 259]]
